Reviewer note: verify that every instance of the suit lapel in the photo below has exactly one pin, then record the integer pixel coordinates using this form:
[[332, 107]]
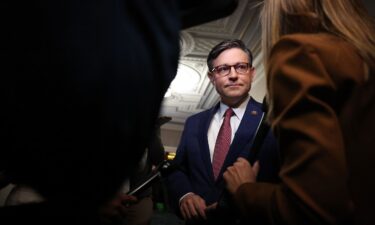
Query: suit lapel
[[244, 134], [203, 140]]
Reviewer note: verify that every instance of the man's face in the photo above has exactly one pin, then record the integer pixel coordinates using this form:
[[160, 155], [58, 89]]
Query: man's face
[[234, 86]]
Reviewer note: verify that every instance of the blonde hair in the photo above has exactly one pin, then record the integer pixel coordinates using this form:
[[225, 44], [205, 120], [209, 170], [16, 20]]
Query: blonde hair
[[345, 18]]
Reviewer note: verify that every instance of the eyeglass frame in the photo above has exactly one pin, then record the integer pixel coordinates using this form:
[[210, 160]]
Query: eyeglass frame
[[249, 67]]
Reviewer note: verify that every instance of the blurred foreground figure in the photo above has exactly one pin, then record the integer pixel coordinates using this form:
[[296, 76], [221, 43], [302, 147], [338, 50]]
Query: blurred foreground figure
[[320, 58], [81, 86]]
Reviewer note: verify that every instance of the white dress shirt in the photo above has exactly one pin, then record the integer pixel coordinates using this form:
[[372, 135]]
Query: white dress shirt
[[218, 119]]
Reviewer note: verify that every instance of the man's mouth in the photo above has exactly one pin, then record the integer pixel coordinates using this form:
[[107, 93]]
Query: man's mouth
[[233, 85]]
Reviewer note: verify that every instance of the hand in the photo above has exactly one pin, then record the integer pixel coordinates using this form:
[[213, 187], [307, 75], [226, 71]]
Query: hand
[[117, 208], [192, 206], [241, 172]]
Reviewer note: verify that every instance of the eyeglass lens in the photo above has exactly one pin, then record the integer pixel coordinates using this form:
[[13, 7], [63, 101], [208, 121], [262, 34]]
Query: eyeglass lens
[[225, 69]]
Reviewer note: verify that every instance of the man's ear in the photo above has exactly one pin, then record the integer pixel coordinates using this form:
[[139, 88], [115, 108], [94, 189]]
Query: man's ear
[[211, 77], [252, 73]]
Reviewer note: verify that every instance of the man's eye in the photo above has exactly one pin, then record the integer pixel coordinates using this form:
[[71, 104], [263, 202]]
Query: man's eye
[[222, 69], [242, 66]]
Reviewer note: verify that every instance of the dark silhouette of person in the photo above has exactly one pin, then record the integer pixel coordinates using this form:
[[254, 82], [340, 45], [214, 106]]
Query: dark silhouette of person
[[81, 86]]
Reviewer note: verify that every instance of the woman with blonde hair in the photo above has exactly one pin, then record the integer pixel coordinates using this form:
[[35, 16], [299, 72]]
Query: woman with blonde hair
[[319, 55]]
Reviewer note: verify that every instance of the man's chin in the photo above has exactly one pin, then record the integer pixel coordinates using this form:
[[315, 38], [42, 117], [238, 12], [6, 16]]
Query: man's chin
[[233, 99], [236, 94]]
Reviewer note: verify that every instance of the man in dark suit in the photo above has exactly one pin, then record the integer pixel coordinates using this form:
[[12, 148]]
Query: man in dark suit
[[198, 184]]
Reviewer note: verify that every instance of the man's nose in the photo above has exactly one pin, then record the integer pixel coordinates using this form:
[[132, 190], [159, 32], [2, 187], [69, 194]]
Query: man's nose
[[232, 72]]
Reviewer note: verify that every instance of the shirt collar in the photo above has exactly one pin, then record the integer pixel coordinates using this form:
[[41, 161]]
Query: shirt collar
[[238, 112]]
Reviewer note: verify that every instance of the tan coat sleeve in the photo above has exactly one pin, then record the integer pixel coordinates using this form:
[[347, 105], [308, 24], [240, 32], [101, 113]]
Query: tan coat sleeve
[[304, 89]]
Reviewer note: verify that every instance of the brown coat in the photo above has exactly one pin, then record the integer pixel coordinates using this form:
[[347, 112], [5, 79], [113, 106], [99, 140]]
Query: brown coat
[[310, 80]]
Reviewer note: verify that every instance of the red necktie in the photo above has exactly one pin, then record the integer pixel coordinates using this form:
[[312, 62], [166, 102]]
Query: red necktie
[[222, 143]]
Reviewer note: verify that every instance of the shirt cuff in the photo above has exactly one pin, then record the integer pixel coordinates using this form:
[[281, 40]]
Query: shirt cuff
[[189, 193]]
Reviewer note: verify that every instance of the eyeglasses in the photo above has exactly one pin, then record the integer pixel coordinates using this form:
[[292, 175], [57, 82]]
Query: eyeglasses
[[224, 70]]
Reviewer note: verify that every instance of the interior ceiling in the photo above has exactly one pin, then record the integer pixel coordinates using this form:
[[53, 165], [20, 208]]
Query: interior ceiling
[[195, 43]]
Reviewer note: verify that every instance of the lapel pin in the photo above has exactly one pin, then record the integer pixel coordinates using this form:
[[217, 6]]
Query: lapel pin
[[254, 113]]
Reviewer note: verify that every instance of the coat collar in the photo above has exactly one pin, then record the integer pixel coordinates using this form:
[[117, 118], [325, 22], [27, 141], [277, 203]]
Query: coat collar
[[243, 136], [205, 153]]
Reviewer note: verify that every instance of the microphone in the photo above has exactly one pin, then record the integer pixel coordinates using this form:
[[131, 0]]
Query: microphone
[[162, 170], [260, 134]]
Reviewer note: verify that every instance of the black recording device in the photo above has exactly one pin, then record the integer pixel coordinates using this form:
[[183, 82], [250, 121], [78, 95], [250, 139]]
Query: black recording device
[[162, 170], [260, 134]]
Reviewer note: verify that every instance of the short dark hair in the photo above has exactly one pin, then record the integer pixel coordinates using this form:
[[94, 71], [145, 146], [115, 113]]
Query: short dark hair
[[224, 45]]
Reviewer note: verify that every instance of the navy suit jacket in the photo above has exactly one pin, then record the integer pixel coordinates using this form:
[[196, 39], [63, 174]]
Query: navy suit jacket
[[193, 156]]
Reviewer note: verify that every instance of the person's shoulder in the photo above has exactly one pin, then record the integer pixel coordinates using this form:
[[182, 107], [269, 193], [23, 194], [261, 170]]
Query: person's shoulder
[[339, 57], [311, 38], [254, 102], [195, 121], [318, 42], [199, 115]]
